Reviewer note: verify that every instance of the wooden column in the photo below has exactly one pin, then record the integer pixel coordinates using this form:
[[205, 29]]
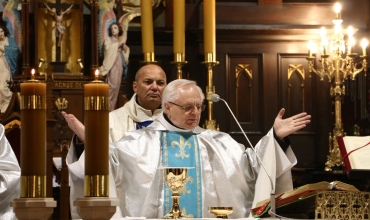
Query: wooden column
[[94, 37], [25, 38]]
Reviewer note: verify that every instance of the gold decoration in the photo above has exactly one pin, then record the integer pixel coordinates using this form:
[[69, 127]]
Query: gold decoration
[[33, 186], [96, 185], [299, 69], [220, 212], [240, 70], [149, 58], [337, 70], [179, 62], [61, 103], [97, 103], [33, 102], [210, 90], [182, 146], [176, 179], [342, 205]]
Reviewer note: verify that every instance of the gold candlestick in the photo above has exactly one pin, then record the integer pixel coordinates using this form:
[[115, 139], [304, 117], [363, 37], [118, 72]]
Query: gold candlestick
[[149, 58], [210, 62], [337, 69], [179, 62]]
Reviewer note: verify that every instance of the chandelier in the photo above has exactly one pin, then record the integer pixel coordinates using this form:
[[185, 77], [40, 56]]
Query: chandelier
[[338, 63]]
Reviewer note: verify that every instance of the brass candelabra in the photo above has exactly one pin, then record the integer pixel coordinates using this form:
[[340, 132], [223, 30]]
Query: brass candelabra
[[179, 62], [344, 64], [149, 58], [210, 62]]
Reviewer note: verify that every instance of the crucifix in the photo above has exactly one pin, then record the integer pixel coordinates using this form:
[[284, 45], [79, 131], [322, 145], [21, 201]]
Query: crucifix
[[60, 10]]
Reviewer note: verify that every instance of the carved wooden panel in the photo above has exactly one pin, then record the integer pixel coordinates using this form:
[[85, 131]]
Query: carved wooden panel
[[297, 95], [244, 91]]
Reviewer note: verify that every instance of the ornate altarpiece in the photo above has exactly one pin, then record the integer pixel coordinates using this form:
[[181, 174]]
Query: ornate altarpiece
[[60, 59]]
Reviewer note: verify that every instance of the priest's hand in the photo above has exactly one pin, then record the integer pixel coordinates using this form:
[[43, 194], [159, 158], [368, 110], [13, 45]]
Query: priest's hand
[[284, 127], [77, 127]]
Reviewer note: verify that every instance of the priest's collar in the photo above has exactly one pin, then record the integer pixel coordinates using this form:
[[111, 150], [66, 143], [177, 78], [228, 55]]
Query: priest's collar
[[144, 112], [163, 119]]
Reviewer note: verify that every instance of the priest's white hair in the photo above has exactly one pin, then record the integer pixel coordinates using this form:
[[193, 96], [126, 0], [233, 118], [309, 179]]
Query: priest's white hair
[[170, 93]]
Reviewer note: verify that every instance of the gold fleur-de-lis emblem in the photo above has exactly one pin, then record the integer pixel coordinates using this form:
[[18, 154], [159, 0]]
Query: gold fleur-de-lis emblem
[[182, 146]]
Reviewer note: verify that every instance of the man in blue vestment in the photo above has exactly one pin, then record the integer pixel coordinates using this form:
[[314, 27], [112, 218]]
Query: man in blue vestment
[[224, 173]]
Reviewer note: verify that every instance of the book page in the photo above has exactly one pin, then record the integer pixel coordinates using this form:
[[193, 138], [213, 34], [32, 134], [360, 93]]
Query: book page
[[358, 159]]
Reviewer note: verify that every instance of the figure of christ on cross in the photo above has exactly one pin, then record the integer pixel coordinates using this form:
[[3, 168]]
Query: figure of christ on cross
[[58, 15]]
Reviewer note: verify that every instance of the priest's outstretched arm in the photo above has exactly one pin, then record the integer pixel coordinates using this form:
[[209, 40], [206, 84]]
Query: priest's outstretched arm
[[284, 127], [9, 177]]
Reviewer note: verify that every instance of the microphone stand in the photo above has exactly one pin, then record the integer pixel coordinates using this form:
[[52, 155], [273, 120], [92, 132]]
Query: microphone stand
[[272, 211]]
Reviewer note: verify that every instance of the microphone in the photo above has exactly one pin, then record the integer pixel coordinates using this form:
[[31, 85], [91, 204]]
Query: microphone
[[272, 211]]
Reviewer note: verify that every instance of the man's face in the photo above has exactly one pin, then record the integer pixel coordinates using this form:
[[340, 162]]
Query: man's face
[[149, 86], [188, 96]]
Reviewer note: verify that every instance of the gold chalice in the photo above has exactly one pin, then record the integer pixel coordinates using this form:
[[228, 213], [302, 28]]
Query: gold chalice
[[175, 179], [220, 212]]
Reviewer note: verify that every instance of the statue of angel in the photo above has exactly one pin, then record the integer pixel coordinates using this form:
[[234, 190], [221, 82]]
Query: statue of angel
[[112, 37], [10, 46]]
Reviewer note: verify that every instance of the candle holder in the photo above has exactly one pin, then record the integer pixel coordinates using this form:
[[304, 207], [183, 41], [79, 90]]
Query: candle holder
[[33, 144], [179, 62], [41, 63], [81, 65], [96, 204], [210, 62], [96, 138], [33, 201], [337, 70], [149, 58]]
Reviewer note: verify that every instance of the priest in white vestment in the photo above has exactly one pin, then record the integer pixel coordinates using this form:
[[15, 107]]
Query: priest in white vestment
[[10, 173], [224, 173], [143, 107]]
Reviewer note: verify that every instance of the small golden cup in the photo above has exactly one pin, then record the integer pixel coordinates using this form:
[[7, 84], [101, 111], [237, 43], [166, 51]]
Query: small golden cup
[[220, 212]]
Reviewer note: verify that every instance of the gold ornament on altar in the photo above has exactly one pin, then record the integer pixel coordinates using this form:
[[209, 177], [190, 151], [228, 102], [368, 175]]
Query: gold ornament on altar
[[220, 212], [343, 64], [176, 179]]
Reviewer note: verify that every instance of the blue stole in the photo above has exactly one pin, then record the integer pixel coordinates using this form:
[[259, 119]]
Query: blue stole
[[140, 125], [181, 149]]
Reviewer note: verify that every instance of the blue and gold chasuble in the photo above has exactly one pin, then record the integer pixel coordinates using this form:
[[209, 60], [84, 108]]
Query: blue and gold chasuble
[[181, 149]]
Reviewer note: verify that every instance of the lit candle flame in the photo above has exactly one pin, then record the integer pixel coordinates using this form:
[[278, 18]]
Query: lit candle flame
[[311, 48], [33, 74], [337, 8], [323, 32], [350, 31], [96, 74], [364, 44]]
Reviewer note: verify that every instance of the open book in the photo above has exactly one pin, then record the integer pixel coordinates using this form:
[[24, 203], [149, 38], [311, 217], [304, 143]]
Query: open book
[[356, 153], [300, 202]]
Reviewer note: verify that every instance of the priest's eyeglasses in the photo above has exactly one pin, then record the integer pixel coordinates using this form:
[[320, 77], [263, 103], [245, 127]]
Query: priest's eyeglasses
[[188, 108]]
